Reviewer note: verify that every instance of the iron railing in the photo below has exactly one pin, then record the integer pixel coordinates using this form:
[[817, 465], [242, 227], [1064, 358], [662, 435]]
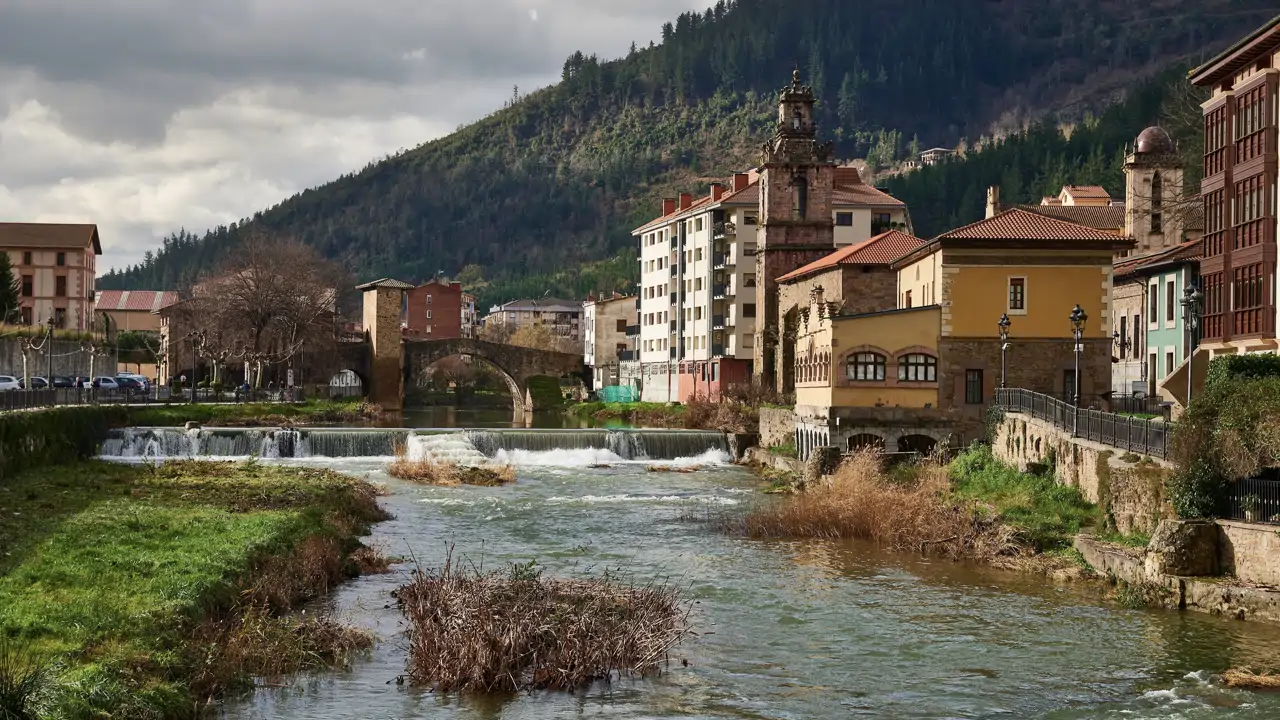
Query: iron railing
[[58, 397], [1143, 436], [1254, 500], [633, 330]]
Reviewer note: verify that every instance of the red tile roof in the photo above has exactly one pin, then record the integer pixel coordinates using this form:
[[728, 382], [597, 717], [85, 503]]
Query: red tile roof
[[1018, 224], [135, 300], [863, 195], [1190, 250], [1089, 192], [879, 250], [1098, 217]]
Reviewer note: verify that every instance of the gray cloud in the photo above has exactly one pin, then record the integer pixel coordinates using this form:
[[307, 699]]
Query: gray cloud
[[149, 115]]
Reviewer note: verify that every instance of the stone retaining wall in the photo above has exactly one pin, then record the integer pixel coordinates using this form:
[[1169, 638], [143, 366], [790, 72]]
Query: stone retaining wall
[[760, 456], [777, 426], [1250, 552]]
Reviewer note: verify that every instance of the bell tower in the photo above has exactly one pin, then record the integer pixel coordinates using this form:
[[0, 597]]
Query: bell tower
[[797, 178]]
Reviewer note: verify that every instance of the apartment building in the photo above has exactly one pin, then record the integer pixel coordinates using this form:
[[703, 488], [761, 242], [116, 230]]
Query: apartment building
[[562, 317], [705, 310], [470, 316], [434, 311], [56, 265], [606, 322], [1238, 268]]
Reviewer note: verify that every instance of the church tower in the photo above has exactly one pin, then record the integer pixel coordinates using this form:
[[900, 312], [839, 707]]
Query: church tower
[[1156, 206], [797, 178]]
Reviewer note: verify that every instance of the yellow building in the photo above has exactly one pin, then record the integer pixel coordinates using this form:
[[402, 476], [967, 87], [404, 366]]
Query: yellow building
[[930, 368]]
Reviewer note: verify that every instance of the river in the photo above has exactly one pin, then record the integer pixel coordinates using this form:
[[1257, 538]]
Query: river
[[803, 630]]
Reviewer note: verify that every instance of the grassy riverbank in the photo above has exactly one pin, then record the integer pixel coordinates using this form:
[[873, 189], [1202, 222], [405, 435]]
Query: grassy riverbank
[[695, 415], [973, 508], [134, 591], [311, 412]]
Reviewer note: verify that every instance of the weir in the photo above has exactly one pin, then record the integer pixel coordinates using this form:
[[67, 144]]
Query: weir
[[474, 445]]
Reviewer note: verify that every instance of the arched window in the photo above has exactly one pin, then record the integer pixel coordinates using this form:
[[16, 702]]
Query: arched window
[[799, 198], [865, 366], [918, 367], [797, 119], [1157, 199]]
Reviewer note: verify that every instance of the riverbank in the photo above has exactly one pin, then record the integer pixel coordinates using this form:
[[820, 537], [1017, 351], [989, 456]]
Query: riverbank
[[695, 415], [311, 412], [141, 591]]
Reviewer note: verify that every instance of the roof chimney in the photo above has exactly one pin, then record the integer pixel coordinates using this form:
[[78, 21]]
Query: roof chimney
[[993, 201], [668, 206], [685, 201], [717, 191], [740, 182]]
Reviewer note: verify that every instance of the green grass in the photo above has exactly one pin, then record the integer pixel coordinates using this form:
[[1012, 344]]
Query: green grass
[[1048, 514], [107, 568], [1133, 540], [311, 411], [624, 410], [784, 450]]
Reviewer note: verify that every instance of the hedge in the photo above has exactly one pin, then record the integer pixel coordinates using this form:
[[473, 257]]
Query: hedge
[[1241, 367], [36, 438]]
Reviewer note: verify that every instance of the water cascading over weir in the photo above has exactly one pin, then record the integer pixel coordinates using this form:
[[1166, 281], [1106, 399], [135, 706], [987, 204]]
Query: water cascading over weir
[[462, 446]]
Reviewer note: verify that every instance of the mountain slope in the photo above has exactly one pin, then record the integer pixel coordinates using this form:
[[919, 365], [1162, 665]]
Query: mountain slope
[[560, 177]]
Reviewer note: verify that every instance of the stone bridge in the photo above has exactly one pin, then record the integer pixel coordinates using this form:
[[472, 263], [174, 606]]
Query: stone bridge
[[384, 361]]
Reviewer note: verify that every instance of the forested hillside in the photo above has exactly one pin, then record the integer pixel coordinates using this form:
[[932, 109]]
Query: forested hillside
[[558, 178]]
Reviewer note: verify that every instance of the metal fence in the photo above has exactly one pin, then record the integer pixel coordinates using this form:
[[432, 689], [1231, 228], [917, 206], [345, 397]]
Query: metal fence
[[54, 397], [1144, 436], [1254, 500]]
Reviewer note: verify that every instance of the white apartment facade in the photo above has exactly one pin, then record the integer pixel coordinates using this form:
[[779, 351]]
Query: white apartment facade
[[697, 299]]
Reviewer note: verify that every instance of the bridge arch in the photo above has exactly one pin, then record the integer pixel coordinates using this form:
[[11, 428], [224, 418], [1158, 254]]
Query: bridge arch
[[514, 363]]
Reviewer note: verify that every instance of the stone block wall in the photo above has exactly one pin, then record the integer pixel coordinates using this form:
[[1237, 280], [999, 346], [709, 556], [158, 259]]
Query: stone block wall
[[66, 356], [1250, 552], [777, 426], [1131, 494]]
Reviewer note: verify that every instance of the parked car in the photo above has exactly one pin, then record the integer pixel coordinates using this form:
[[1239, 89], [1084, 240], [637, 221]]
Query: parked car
[[37, 383], [9, 382], [129, 383], [62, 381], [83, 383], [106, 383], [141, 380]]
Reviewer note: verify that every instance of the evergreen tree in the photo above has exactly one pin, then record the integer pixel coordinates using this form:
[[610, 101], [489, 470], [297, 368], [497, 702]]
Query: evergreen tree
[[10, 291]]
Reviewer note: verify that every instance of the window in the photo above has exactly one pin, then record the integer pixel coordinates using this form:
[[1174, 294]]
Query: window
[[881, 223], [865, 366], [749, 219], [1153, 367], [28, 286], [749, 280], [973, 387], [60, 317], [1168, 301], [748, 250], [799, 198], [26, 258], [748, 341], [428, 299], [698, 254], [749, 310], [697, 225], [918, 367], [1157, 224], [698, 285], [1017, 294], [428, 329], [62, 259], [697, 313], [844, 219], [1124, 337], [26, 316], [1069, 383], [1153, 303], [60, 286], [1168, 363], [622, 325], [906, 300], [1137, 338]]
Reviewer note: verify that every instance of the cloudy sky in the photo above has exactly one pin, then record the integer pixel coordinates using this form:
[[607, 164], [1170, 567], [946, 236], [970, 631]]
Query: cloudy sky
[[146, 116]]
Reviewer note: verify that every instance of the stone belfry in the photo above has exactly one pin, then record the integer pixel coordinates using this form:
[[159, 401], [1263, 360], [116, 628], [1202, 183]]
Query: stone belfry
[[797, 178]]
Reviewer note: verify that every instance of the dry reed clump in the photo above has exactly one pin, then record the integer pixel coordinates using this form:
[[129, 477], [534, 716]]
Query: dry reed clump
[[495, 631], [674, 468], [372, 561], [431, 471], [861, 501], [1247, 679]]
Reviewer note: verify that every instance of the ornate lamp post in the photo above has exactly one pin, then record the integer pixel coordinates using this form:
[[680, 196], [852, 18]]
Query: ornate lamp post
[[1078, 319], [1191, 298], [1003, 324]]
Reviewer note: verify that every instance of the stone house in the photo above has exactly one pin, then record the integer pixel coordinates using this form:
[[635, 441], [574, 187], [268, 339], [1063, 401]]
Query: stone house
[[55, 264], [929, 368]]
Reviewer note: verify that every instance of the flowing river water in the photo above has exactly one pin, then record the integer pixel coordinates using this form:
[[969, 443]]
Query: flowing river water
[[803, 630]]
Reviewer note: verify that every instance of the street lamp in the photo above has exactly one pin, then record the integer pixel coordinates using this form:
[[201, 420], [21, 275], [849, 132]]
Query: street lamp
[[1123, 345], [1078, 319], [1003, 324], [1191, 298]]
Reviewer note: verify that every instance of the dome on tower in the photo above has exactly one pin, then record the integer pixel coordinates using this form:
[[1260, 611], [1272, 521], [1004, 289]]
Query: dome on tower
[[1154, 140]]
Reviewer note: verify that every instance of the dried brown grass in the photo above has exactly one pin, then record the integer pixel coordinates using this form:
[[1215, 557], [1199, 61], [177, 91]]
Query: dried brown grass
[[861, 501], [431, 471], [372, 560], [687, 469], [509, 631], [1244, 678]]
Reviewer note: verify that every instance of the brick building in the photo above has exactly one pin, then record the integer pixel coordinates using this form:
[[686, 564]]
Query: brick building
[[435, 311], [56, 265]]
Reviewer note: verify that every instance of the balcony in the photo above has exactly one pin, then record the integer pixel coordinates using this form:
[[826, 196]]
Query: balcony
[[721, 262], [637, 302], [674, 354], [717, 322], [723, 229], [673, 325], [717, 351], [674, 270], [718, 292], [633, 330], [673, 298], [628, 356]]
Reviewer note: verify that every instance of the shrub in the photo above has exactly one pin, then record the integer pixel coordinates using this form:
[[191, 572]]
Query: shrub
[[432, 471], [1241, 367], [24, 681], [514, 630], [55, 436]]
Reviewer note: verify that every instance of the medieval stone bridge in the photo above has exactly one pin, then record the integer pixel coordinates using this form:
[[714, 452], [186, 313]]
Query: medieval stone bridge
[[385, 361]]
